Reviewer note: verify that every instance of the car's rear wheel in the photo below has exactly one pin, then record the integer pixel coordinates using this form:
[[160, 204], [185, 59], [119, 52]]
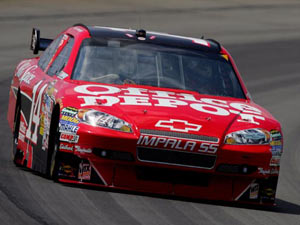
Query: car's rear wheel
[[17, 154]]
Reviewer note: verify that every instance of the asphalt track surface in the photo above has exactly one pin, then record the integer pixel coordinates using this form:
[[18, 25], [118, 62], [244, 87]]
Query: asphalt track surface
[[264, 39]]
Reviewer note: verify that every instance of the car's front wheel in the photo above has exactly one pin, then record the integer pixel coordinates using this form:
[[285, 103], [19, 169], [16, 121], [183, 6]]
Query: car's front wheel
[[17, 154], [53, 148]]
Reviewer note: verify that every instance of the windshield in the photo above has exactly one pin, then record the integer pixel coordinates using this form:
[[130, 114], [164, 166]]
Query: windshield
[[124, 62]]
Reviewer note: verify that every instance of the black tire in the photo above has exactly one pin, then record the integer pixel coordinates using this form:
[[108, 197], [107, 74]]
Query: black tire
[[53, 160], [17, 154], [54, 164]]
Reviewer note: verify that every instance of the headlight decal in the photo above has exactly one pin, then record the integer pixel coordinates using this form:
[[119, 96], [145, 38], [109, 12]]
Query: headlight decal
[[100, 119], [254, 136]]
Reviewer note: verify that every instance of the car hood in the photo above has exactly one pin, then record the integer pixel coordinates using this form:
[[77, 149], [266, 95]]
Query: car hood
[[160, 109]]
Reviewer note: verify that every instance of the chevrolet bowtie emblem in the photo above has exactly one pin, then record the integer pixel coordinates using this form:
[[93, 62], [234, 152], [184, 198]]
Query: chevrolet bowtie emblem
[[178, 125]]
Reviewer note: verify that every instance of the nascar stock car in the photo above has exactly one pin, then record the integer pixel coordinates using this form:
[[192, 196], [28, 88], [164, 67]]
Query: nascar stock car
[[143, 111]]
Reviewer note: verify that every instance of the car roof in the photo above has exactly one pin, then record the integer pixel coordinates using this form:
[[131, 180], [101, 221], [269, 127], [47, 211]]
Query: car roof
[[207, 45]]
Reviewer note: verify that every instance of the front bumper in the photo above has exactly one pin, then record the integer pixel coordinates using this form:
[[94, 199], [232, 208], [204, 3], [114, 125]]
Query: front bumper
[[233, 174]]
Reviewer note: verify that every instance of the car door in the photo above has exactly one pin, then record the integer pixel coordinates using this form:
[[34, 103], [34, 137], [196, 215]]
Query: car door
[[51, 63]]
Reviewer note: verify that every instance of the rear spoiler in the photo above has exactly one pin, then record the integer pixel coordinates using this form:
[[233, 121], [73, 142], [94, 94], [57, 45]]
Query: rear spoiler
[[38, 44]]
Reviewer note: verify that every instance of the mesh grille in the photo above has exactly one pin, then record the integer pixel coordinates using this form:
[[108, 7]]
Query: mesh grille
[[176, 158], [180, 135]]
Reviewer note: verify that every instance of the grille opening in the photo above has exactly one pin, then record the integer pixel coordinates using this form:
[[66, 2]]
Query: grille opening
[[176, 158], [172, 176], [236, 168], [113, 155]]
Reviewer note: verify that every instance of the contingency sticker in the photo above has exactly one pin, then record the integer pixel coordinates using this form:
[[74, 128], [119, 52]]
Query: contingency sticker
[[45, 119], [84, 172], [67, 137], [69, 121], [254, 190], [276, 147]]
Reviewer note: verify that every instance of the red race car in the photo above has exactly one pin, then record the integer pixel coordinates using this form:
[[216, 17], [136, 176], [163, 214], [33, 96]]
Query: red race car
[[142, 111]]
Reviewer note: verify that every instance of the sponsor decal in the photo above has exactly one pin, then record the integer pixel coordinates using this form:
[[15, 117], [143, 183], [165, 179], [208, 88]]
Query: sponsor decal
[[65, 147], [69, 121], [21, 137], [62, 75], [276, 143], [276, 135], [82, 150], [263, 171], [66, 126], [42, 126], [27, 77], [35, 118], [68, 137], [276, 147], [254, 190], [268, 193], [272, 170], [69, 111], [40, 111], [66, 170], [47, 106], [78, 29], [22, 127], [275, 170], [178, 125], [177, 144], [84, 172], [22, 67], [95, 93], [275, 161]]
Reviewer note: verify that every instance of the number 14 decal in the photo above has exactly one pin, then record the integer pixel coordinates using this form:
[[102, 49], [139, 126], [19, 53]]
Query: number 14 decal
[[35, 112]]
